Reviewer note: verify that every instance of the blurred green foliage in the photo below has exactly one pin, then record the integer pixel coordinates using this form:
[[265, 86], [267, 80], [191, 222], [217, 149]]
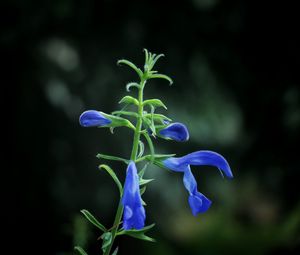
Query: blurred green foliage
[[236, 86]]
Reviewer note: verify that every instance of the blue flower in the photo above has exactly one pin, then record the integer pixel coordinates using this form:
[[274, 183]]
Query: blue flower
[[134, 213], [92, 118], [175, 131], [197, 201]]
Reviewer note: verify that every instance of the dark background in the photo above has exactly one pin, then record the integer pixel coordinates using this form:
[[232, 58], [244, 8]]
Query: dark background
[[235, 66]]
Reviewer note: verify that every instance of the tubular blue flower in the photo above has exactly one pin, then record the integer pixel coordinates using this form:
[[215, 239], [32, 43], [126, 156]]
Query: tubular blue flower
[[134, 213], [175, 131], [92, 118], [197, 201]]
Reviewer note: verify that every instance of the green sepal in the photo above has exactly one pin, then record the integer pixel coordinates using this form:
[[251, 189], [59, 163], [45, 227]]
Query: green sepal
[[80, 250], [93, 220], [117, 121], [114, 176], [133, 66], [129, 100], [145, 181], [132, 84], [142, 190], [107, 239], [161, 76], [155, 103], [138, 233]]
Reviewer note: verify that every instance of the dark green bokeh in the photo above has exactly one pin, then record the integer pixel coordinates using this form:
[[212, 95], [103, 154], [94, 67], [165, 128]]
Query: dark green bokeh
[[236, 86]]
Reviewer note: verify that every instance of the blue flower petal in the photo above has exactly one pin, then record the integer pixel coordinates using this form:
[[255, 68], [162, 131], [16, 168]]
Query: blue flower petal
[[199, 158], [134, 213], [175, 131], [92, 118], [198, 202]]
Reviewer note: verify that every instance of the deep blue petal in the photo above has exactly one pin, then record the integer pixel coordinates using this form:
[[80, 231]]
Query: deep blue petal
[[176, 131], [189, 181], [92, 118], [174, 164], [199, 203], [134, 213], [199, 158]]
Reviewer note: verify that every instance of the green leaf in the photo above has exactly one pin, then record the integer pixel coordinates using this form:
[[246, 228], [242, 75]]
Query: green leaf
[[157, 116], [132, 114], [155, 103], [115, 251], [140, 234], [154, 60], [156, 156], [103, 156], [93, 220], [133, 66], [129, 100], [141, 149], [80, 250], [151, 147], [114, 176], [107, 239], [132, 84], [161, 76], [142, 172]]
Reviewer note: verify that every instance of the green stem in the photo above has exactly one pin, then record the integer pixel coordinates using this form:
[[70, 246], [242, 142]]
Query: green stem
[[135, 145]]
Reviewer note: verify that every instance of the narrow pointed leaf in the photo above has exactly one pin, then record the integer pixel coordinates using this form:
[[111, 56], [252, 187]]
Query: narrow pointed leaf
[[133, 66], [80, 250], [127, 113], [155, 58], [157, 116], [142, 172], [114, 176], [103, 156], [129, 100], [139, 234], [155, 103], [115, 251], [132, 84], [93, 220], [151, 147], [161, 76], [141, 149]]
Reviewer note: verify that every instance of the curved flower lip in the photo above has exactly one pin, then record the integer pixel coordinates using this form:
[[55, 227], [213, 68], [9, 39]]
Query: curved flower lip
[[197, 201], [134, 213], [93, 118], [175, 131], [199, 158]]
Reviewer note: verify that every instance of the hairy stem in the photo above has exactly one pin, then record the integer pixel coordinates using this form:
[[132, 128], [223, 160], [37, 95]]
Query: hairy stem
[[135, 145]]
